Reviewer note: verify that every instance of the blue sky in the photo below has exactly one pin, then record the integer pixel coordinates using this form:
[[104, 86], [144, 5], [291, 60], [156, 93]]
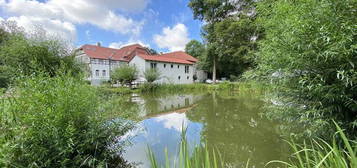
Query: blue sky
[[165, 25]]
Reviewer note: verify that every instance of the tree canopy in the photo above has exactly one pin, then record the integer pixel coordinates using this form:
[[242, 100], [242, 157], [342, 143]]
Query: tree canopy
[[22, 54]]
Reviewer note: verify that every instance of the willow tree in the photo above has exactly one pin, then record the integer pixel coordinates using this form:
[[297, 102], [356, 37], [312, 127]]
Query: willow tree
[[313, 46]]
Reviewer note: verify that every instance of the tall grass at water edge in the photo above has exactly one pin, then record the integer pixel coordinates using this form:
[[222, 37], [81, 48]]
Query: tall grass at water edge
[[229, 86], [56, 122], [200, 156], [316, 154], [321, 154]]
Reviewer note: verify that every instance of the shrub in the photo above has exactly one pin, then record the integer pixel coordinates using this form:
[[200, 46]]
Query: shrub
[[151, 75], [310, 51], [22, 54], [56, 122], [125, 74]]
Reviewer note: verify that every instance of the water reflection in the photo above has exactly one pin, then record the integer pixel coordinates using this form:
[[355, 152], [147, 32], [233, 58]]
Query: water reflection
[[229, 122]]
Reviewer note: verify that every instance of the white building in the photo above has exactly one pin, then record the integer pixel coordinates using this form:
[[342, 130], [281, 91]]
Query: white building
[[175, 67]]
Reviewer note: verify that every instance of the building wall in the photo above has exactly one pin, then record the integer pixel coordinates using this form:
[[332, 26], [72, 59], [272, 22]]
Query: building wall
[[100, 65], [174, 75], [140, 65]]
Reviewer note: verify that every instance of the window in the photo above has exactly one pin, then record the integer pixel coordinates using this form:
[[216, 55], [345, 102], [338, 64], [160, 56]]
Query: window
[[179, 77], [96, 72], [178, 66], [187, 69], [164, 65], [188, 77], [172, 66], [153, 65], [104, 73]]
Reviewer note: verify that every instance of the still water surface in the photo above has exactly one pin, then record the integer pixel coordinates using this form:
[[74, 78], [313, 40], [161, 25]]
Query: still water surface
[[230, 122]]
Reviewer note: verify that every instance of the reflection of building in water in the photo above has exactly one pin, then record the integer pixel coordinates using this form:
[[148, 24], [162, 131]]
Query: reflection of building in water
[[149, 106]]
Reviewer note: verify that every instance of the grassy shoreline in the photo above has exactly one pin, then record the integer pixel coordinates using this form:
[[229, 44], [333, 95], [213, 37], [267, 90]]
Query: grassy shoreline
[[172, 88]]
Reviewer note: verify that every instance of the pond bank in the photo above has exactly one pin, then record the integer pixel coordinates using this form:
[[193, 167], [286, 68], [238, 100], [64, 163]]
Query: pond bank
[[172, 88]]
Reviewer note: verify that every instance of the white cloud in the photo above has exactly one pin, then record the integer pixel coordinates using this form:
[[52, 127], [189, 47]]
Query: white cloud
[[95, 12], [173, 121], [54, 27], [174, 38]]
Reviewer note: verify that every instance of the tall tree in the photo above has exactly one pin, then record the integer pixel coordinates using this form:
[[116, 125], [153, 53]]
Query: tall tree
[[198, 50], [211, 11], [230, 33]]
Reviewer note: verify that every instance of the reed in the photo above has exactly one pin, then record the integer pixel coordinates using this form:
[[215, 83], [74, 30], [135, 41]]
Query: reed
[[321, 154], [200, 156]]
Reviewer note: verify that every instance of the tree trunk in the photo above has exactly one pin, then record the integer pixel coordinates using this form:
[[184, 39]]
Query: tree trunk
[[214, 70]]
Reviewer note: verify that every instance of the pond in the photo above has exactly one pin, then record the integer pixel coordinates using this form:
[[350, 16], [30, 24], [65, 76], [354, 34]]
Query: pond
[[231, 122]]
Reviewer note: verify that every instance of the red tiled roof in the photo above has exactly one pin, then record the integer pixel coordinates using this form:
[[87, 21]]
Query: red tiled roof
[[180, 55], [163, 59], [128, 52], [122, 54]]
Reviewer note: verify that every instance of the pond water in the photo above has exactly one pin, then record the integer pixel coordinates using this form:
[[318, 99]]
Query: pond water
[[230, 122]]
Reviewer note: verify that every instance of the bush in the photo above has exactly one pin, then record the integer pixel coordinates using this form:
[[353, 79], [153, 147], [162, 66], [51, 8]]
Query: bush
[[151, 75], [56, 122], [22, 54], [125, 74], [310, 51]]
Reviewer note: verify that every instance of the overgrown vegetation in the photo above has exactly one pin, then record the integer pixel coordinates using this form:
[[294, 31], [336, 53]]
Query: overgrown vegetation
[[309, 52], [319, 153], [56, 122], [27, 54], [50, 116]]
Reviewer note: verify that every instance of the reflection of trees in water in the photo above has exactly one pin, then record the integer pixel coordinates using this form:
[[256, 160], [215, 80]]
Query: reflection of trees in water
[[233, 125]]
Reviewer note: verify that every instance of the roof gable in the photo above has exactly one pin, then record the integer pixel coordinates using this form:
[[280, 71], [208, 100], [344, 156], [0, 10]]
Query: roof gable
[[122, 54]]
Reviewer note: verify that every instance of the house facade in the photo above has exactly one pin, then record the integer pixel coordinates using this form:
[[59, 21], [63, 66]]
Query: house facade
[[175, 67]]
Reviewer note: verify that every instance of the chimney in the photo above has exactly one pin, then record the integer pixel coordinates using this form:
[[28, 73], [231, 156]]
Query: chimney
[[98, 44]]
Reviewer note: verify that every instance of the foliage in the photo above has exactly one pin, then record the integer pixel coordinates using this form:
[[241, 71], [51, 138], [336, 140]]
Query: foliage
[[151, 75], [319, 153], [310, 51], [235, 44], [230, 35], [125, 74], [22, 54], [202, 156], [57, 122], [198, 50]]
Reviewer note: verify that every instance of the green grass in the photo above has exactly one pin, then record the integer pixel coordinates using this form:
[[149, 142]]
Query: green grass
[[321, 154], [175, 88], [201, 156]]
